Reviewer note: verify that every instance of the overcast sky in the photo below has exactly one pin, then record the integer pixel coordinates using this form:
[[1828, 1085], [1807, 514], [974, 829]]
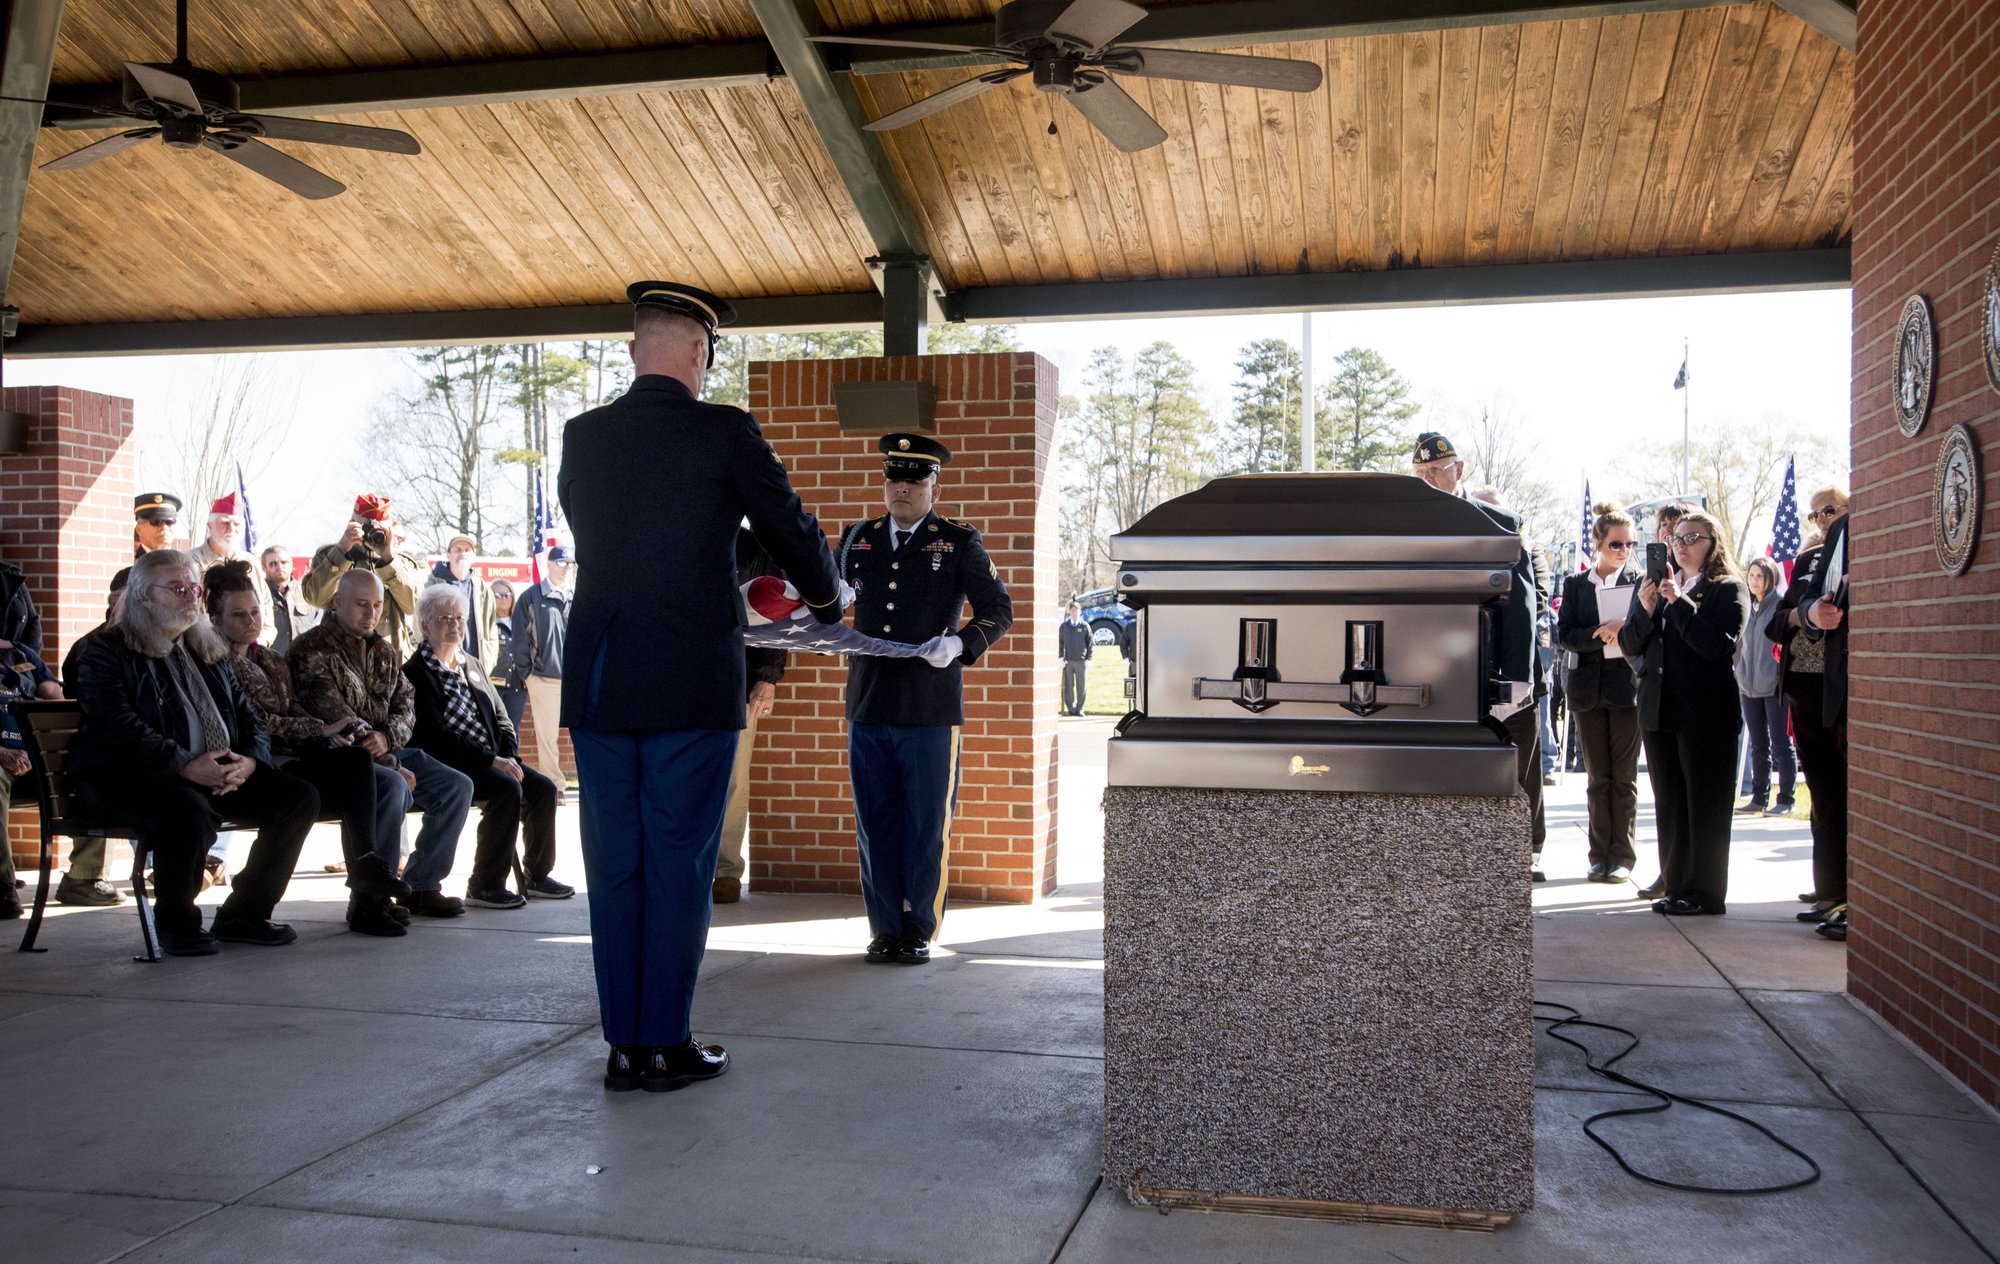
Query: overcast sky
[[1586, 381]]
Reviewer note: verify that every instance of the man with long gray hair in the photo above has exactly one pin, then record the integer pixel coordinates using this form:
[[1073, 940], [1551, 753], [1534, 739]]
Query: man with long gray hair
[[169, 743]]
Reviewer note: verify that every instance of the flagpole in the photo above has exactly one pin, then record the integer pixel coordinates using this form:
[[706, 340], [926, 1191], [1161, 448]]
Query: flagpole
[[1687, 394]]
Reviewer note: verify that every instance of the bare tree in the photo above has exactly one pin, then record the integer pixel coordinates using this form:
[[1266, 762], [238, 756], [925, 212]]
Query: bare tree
[[435, 451], [239, 412], [1498, 456], [1740, 468]]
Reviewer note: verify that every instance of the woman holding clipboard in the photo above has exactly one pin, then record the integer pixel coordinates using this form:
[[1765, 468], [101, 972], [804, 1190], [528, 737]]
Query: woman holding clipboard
[[1602, 693], [1685, 625]]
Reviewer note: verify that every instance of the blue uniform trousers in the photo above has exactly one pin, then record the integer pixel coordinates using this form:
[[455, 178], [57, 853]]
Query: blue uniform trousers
[[905, 787], [652, 803]]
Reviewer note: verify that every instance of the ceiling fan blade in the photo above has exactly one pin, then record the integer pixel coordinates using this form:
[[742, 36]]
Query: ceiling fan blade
[[940, 100], [1091, 24], [102, 149], [279, 127], [1112, 110], [282, 168], [165, 86], [1282, 73], [877, 42]]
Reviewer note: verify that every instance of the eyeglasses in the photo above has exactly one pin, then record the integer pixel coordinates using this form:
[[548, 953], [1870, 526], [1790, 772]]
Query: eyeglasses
[[449, 620], [182, 590], [1825, 511], [1618, 546], [1687, 539]]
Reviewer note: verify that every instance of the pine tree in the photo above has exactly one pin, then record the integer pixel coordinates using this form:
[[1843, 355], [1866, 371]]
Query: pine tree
[[1263, 433], [1366, 411]]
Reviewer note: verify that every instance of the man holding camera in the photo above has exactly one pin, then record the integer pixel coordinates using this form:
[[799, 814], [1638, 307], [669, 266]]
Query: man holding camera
[[368, 545]]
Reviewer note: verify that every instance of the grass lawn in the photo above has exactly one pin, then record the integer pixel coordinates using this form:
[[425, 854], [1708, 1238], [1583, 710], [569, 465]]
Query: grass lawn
[[1104, 684]]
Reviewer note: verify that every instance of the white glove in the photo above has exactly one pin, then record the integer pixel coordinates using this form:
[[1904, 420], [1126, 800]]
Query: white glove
[[943, 651], [1520, 697], [847, 594]]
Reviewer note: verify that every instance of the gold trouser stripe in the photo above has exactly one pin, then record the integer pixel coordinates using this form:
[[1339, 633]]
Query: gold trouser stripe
[[944, 853]]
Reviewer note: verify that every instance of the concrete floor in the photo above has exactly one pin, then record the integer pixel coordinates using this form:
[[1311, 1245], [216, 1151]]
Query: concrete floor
[[437, 1097]]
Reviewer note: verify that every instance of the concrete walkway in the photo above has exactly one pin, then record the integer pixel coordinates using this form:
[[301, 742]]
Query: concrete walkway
[[437, 1097]]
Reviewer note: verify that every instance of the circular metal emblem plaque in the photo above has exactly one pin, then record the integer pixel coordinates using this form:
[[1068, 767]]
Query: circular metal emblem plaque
[[1916, 363], [1956, 490], [1989, 334]]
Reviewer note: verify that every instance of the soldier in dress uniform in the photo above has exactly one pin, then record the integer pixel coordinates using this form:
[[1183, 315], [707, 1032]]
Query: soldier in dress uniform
[[653, 683], [915, 571], [153, 517]]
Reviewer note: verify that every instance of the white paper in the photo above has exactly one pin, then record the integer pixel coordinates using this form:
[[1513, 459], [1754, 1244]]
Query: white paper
[[1612, 603], [1833, 572]]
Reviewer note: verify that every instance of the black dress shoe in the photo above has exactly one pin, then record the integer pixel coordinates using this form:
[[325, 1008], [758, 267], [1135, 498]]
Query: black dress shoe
[[1834, 928], [1808, 897], [1661, 905], [371, 875], [1683, 908], [625, 1069], [1597, 873], [882, 948], [369, 915], [231, 929], [188, 943], [1653, 892], [682, 1065], [1818, 914], [914, 950], [1618, 873]]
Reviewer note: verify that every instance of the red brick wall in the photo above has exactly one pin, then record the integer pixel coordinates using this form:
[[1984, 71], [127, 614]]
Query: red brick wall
[[66, 519], [1925, 647], [998, 415]]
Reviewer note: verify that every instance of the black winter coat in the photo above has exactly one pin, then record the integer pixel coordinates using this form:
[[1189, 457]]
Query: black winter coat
[[134, 727], [658, 465], [430, 734], [1687, 681]]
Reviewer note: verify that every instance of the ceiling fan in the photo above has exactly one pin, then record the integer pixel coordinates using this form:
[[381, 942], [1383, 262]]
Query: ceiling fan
[[1070, 48], [191, 108]]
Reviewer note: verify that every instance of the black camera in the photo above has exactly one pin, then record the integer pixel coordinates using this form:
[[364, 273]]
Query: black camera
[[372, 538]]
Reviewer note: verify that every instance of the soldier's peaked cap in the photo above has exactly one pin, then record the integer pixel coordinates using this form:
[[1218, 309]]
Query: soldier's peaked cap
[[712, 312], [912, 451], [156, 507]]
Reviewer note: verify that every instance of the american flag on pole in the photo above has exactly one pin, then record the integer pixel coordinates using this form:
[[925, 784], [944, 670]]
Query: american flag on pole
[[1681, 378], [1588, 553], [249, 523], [1785, 536], [545, 528]]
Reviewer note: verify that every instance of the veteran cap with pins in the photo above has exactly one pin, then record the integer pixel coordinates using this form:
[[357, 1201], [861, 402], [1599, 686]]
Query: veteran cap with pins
[[1432, 446], [912, 458], [156, 507]]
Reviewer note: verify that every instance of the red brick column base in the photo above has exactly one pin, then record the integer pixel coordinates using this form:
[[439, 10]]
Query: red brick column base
[[66, 521], [998, 415]]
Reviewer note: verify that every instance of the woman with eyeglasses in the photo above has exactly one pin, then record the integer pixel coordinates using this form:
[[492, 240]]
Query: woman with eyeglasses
[[1763, 706], [1683, 631], [1809, 627], [1602, 693]]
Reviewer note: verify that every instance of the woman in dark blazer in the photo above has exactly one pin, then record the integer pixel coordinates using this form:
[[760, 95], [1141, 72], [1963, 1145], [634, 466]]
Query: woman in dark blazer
[[1602, 694], [461, 722], [1683, 632]]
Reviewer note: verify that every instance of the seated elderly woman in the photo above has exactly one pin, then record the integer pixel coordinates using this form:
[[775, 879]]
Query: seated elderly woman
[[169, 743], [370, 798], [461, 722]]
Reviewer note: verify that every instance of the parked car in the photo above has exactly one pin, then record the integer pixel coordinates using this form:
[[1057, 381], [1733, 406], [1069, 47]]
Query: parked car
[[1110, 621]]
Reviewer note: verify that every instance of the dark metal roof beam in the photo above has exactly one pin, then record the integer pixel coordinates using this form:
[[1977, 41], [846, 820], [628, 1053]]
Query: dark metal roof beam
[[1239, 23], [1831, 18], [418, 329], [483, 83], [1750, 273], [836, 114], [1768, 272], [25, 59]]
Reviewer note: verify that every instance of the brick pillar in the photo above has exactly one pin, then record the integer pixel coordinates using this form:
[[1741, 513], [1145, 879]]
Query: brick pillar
[[1924, 743], [997, 413], [66, 520]]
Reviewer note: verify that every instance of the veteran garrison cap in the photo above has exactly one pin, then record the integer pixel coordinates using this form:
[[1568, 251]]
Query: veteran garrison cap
[[156, 507], [1432, 446], [712, 312], [912, 457]]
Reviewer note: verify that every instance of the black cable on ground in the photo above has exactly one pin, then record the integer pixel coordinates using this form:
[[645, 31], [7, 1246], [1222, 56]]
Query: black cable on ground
[[1574, 1018]]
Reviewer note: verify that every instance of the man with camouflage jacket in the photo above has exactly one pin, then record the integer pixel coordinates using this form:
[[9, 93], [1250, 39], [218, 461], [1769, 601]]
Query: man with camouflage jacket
[[345, 668]]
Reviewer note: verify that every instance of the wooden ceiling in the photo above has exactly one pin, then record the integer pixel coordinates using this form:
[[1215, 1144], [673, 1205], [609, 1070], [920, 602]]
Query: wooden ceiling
[[1707, 131]]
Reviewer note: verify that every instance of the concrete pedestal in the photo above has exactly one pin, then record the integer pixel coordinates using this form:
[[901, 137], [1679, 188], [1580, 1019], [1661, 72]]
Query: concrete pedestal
[[1319, 1003]]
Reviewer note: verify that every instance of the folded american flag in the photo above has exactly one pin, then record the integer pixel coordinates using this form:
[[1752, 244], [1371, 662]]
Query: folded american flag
[[779, 620]]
